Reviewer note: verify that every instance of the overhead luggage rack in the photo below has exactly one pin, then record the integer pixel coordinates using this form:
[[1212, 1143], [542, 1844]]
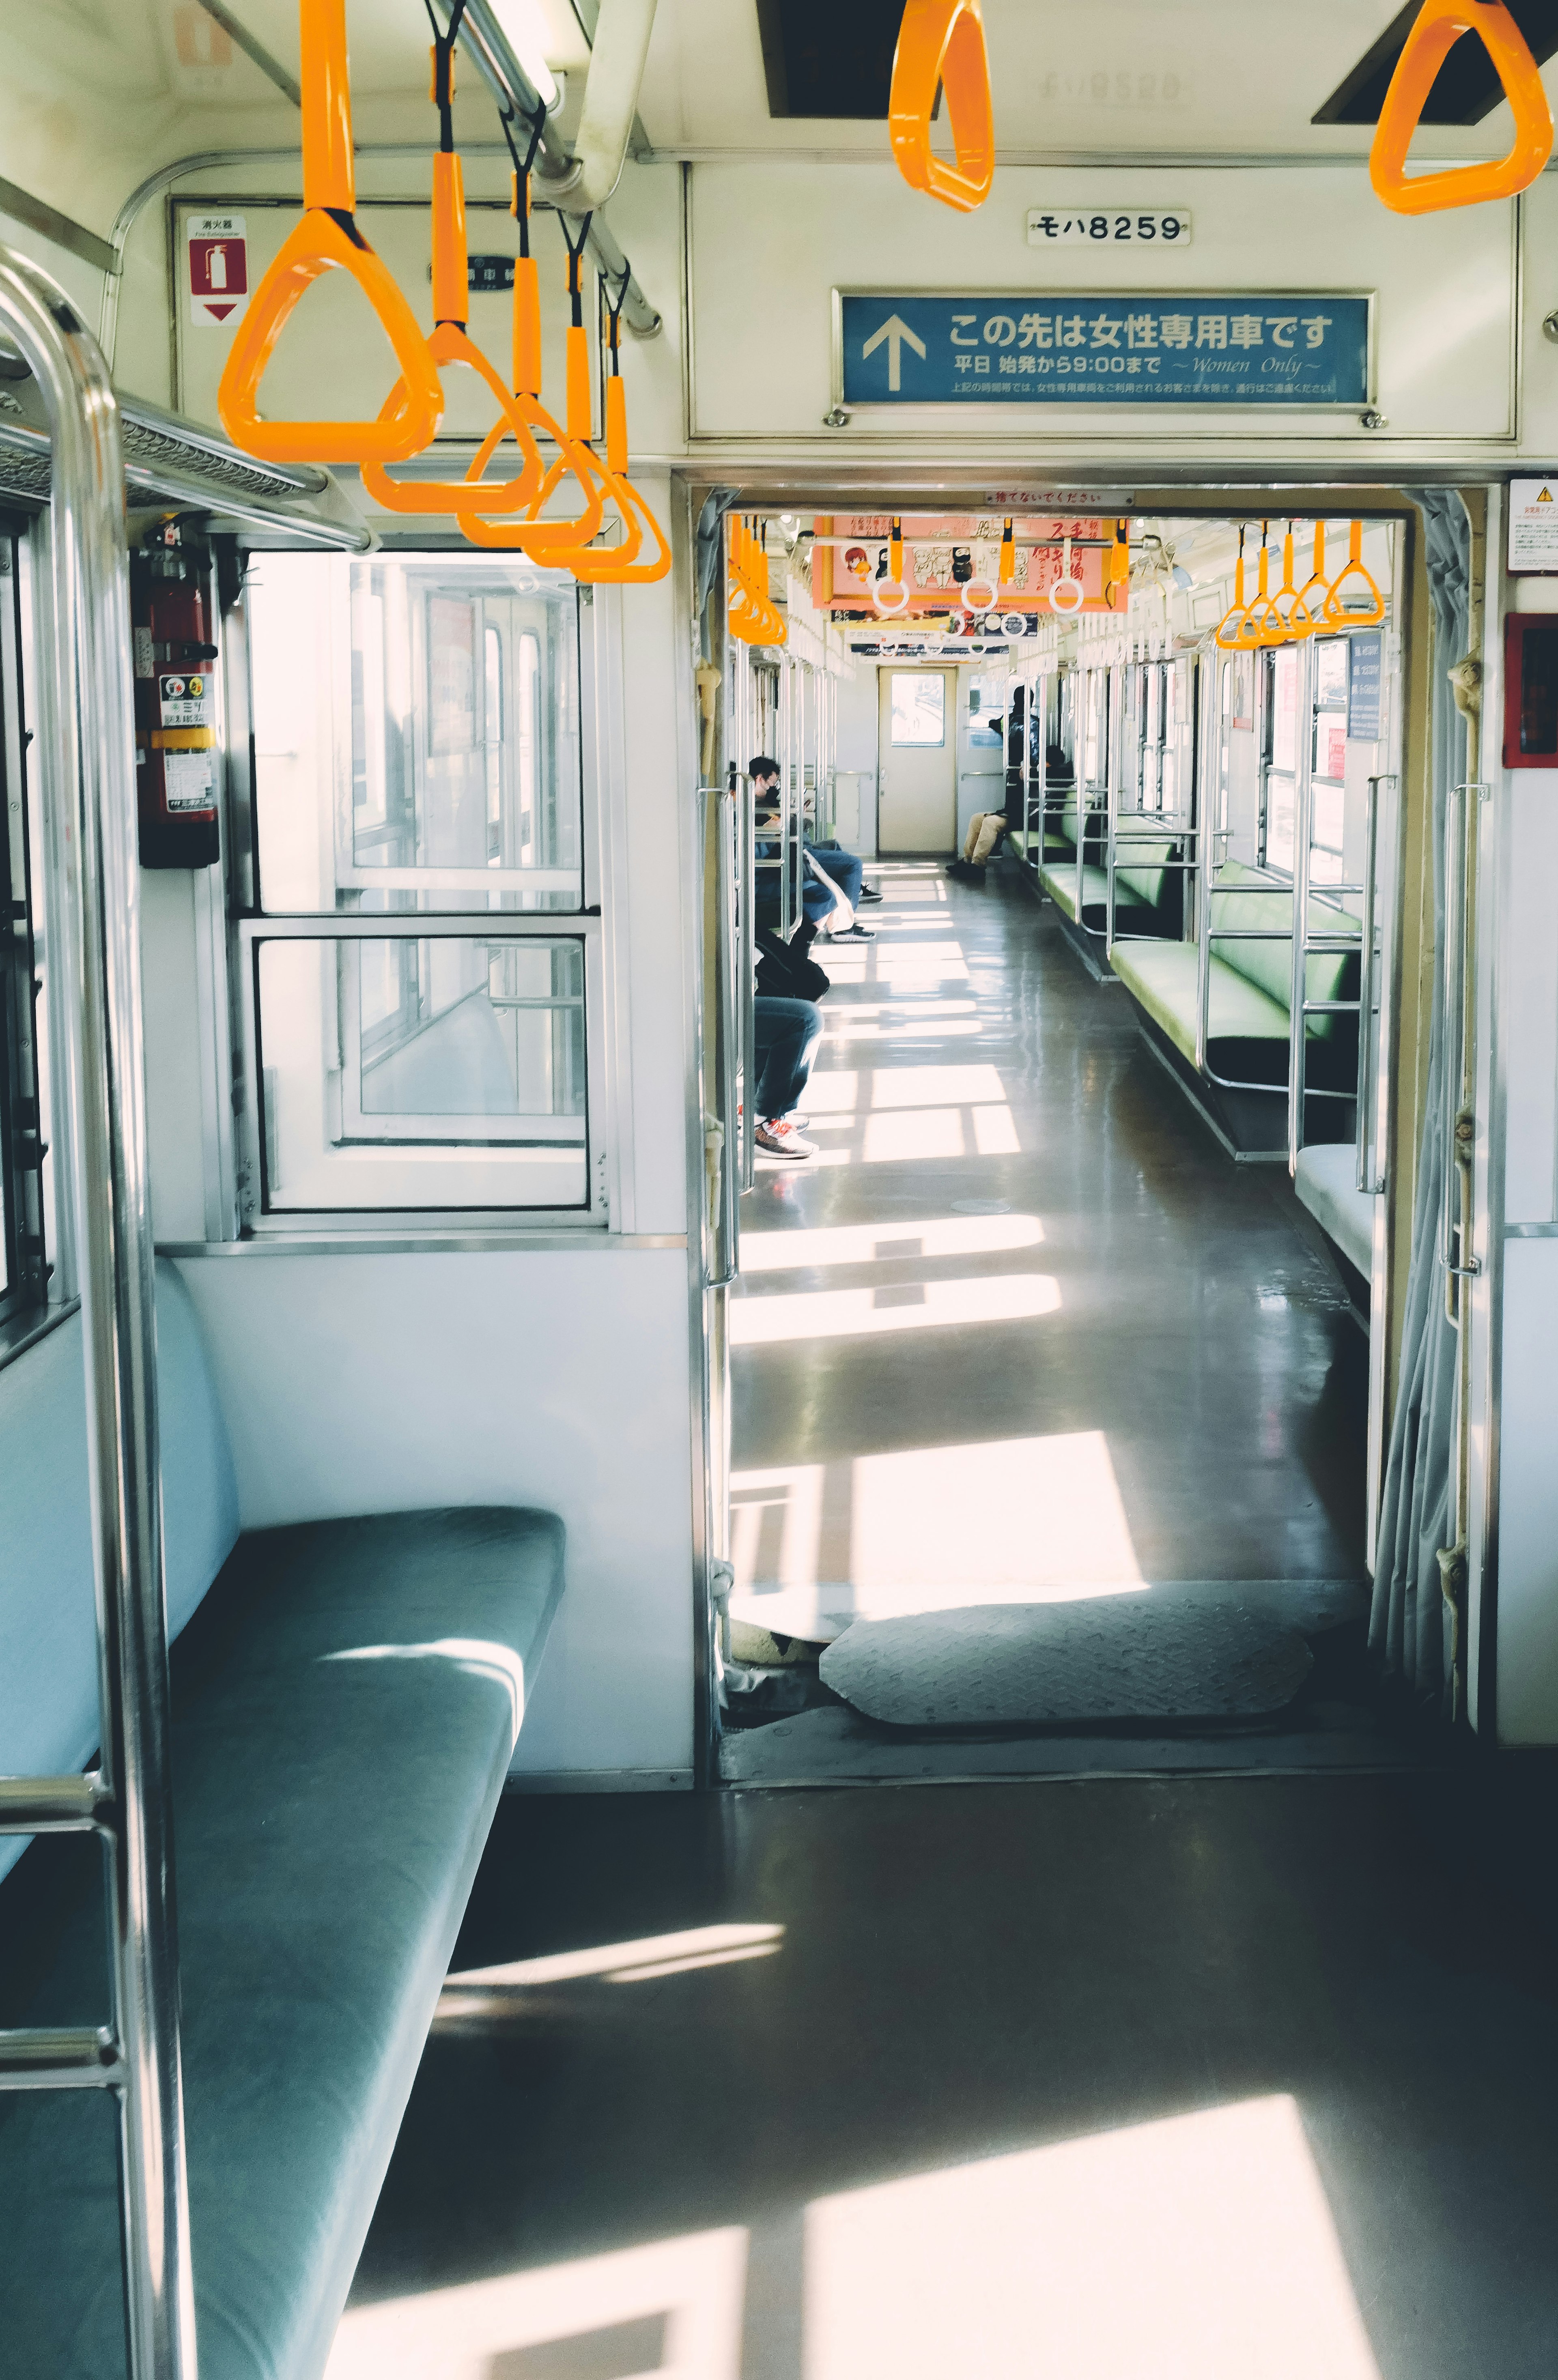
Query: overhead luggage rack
[[170, 461]]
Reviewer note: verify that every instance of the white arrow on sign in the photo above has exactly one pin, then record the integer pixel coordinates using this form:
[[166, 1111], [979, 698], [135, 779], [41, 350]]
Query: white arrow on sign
[[898, 335]]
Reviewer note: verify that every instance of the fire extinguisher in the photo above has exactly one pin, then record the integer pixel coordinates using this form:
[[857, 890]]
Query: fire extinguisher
[[175, 756]]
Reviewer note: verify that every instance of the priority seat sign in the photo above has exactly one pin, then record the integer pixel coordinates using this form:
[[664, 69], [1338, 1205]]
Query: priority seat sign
[[218, 253]]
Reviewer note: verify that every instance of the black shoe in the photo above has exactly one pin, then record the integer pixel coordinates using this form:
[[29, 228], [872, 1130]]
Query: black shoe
[[868, 892]]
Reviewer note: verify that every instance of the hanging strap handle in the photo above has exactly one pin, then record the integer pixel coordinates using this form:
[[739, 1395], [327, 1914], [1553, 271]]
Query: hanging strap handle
[[526, 277], [580, 413], [327, 238], [1439, 27], [942, 45]]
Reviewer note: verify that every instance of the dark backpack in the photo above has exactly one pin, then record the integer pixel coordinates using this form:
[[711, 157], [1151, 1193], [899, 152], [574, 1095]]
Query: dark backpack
[[785, 973]]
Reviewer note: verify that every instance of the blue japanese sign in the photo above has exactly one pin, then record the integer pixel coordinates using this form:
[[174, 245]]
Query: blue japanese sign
[[1023, 349]]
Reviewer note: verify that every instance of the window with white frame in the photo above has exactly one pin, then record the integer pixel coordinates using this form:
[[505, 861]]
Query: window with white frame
[[421, 975]]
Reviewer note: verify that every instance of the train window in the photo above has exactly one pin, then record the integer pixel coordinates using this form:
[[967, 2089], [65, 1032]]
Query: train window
[[1279, 758], [454, 1071], [23, 1270], [417, 735], [1329, 758], [418, 1021], [918, 706]]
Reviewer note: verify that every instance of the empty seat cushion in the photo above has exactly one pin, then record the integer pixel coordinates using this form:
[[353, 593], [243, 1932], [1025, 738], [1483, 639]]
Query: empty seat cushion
[[1162, 976], [346, 1704], [1326, 1180], [48, 1624], [1060, 883]]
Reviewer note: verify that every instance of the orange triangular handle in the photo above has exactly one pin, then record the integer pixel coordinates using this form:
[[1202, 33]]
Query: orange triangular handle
[[1235, 632], [1315, 584], [1293, 614], [942, 43], [1337, 613], [553, 543], [326, 239], [626, 570], [1439, 27], [450, 345]]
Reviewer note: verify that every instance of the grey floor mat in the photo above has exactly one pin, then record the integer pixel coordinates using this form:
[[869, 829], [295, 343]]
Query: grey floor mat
[[834, 1745], [1109, 1658]]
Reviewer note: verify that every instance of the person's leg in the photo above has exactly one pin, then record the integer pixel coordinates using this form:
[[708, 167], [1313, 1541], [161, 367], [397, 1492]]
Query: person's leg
[[992, 826], [847, 871], [786, 1034], [970, 840]]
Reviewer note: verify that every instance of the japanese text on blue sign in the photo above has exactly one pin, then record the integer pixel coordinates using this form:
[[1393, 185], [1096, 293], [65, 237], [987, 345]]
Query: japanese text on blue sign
[[1116, 349]]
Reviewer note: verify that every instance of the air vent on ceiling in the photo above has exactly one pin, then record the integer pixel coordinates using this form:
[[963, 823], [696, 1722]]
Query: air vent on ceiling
[[820, 59], [1466, 87]]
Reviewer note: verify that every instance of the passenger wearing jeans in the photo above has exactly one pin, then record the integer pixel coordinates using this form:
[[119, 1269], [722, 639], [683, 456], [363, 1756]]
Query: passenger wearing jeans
[[845, 867], [787, 1033]]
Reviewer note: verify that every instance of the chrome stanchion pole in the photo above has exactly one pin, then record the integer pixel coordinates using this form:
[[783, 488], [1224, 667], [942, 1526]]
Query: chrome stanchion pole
[[94, 776]]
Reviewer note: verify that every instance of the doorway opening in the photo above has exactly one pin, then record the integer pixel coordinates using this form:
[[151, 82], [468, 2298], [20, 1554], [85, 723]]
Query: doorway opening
[[1059, 1371]]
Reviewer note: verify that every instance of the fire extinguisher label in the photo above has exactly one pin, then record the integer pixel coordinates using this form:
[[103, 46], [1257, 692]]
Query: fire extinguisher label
[[186, 701], [187, 779], [218, 254]]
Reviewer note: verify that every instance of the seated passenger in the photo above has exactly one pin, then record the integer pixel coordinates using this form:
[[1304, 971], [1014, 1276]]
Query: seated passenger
[[847, 871], [785, 1034]]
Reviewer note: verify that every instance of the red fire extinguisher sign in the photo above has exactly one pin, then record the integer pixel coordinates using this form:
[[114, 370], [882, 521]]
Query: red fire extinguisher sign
[[218, 269]]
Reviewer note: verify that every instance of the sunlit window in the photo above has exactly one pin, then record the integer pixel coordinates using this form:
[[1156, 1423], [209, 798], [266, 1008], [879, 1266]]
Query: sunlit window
[[918, 707]]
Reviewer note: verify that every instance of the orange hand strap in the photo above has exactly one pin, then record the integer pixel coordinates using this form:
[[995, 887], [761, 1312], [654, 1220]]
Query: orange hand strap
[[554, 543], [327, 238], [1439, 27], [751, 615], [1314, 591], [619, 564], [1235, 630], [1287, 603], [1361, 611], [1008, 564], [942, 43], [450, 343]]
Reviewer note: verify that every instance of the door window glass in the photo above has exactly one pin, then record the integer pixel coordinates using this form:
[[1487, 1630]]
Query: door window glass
[[917, 699]]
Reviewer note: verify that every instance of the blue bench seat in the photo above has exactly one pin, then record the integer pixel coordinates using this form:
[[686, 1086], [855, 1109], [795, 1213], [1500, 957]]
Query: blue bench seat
[[346, 1702]]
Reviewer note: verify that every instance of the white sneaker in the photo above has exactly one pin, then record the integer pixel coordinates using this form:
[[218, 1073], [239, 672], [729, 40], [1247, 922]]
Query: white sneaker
[[778, 1138]]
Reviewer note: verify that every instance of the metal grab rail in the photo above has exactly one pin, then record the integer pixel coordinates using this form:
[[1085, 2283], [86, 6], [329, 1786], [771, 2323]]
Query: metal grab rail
[[1373, 1076], [91, 728], [1460, 1055]]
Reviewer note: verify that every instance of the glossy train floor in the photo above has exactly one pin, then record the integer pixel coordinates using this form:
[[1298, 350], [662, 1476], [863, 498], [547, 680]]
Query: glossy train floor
[[1204, 2078], [1023, 1329]]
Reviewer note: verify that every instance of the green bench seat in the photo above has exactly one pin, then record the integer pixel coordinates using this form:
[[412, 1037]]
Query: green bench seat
[[1130, 909], [346, 1700], [1247, 1027]]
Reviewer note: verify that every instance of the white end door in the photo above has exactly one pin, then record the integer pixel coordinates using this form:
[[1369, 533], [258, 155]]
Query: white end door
[[917, 761]]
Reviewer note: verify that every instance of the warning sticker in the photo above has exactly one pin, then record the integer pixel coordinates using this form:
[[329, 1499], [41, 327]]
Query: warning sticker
[[218, 255], [187, 777], [1533, 523], [185, 702]]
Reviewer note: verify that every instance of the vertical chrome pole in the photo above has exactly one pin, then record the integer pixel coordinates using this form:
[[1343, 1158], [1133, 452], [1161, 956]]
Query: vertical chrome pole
[[1209, 766], [1303, 838], [94, 718], [1366, 1169], [732, 1010], [746, 986], [784, 754]]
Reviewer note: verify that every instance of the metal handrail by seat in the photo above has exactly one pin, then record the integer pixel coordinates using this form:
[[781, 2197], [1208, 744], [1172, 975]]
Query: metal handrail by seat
[[90, 738]]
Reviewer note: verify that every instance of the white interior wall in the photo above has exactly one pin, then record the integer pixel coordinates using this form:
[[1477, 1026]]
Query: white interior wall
[[857, 753], [357, 1382]]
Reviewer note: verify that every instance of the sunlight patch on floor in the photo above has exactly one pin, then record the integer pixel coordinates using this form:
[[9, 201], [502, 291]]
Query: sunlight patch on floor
[[1199, 2248], [910, 1305], [1022, 1512], [677, 2305], [839, 1243], [933, 1528]]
